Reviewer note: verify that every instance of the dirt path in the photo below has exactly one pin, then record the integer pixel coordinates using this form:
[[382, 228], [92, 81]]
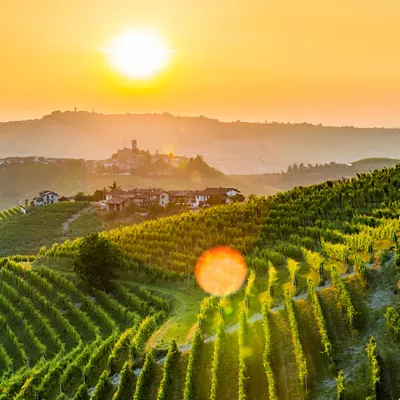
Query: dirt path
[[67, 223]]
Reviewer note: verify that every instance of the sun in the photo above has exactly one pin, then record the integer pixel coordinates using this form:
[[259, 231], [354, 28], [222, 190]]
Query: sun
[[138, 54]]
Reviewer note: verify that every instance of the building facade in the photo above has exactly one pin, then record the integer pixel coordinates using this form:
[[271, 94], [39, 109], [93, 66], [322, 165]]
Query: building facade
[[45, 197]]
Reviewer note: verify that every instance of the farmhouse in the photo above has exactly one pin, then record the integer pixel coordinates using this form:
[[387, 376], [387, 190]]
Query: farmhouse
[[198, 197], [117, 203], [45, 197], [179, 196], [155, 196]]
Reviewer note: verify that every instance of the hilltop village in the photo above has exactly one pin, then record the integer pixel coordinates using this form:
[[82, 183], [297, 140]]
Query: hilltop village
[[125, 161]]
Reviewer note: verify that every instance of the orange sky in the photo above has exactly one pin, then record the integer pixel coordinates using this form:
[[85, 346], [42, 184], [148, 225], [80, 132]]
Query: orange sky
[[335, 62]]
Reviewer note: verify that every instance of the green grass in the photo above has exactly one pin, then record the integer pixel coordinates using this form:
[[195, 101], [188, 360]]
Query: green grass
[[182, 323], [86, 223]]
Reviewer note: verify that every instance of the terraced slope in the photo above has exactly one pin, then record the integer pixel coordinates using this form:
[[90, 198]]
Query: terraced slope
[[58, 334]]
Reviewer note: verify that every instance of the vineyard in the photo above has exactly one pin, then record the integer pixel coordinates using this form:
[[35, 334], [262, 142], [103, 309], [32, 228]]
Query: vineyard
[[19, 233], [318, 316]]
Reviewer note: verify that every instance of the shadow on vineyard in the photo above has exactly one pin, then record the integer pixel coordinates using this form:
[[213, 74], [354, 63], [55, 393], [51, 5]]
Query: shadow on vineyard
[[318, 316]]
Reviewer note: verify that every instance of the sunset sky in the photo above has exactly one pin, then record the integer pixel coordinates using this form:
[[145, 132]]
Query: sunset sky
[[331, 62]]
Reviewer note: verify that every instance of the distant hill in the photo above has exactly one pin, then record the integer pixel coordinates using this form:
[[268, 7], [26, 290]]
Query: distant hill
[[232, 147], [305, 175]]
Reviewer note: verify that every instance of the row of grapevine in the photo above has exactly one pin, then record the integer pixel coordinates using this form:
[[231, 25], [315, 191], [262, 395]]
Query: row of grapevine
[[145, 376], [216, 358], [99, 353], [194, 352], [154, 300], [5, 362], [144, 331], [102, 386], [80, 315], [267, 355], [126, 378], [170, 361], [393, 322], [67, 286], [79, 362], [344, 298], [28, 307], [374, 370], [28, 329], [27, 289], [301, 361], [14, 340], [242, 395], [319, 317]]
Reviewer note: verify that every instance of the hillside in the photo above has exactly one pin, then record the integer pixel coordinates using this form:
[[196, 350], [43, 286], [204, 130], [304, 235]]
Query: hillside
[[317, 317], [305, 175], [42, 226], [24, 181], [233, 147]]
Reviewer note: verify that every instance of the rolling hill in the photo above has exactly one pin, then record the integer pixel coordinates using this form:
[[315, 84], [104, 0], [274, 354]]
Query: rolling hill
[[305, 175], [232, 147], [317, 318]]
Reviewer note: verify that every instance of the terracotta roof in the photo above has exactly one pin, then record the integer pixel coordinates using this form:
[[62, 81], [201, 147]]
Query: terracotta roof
[[117, 192], [179, 193], [151, 191], [218, 191], [117, 200]]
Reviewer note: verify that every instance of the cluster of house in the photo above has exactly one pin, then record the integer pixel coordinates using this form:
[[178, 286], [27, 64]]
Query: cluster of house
[[79, 162], [131, 158], [118, 200]]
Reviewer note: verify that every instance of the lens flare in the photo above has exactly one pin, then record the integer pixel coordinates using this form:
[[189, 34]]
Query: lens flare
[[221, 271]]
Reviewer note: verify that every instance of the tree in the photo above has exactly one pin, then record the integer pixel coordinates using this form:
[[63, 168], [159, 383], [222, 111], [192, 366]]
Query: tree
[[97, 261], [215, 200], [80, 196], [237, 198], [98, 195], [114, 186]]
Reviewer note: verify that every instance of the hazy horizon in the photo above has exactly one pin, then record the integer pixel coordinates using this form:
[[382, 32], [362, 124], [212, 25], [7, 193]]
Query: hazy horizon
[[332, 63], [194, 115]]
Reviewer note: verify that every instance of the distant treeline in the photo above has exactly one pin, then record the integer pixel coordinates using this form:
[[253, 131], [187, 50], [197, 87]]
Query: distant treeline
[[305, 175]]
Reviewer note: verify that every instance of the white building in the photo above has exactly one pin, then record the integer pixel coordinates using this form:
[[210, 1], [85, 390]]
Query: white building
[[45, 197], [198, 197]]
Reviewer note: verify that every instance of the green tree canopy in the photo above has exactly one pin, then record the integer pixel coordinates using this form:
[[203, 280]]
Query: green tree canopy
[[97, 261]]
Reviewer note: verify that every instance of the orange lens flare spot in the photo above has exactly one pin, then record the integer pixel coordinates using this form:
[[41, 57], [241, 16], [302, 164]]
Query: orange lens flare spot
[[221, 271]]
